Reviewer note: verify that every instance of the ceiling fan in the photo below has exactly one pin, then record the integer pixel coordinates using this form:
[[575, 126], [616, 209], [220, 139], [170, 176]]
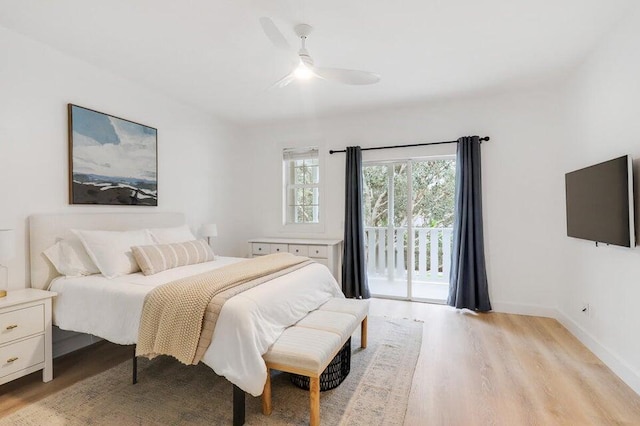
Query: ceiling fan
[[305, 68]]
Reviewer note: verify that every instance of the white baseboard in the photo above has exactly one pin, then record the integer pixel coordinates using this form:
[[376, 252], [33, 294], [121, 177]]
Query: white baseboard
[[522, 309], [611, 360]]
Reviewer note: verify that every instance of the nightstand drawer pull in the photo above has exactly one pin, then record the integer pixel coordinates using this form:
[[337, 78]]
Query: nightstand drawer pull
[[12, 326], [12, 359]]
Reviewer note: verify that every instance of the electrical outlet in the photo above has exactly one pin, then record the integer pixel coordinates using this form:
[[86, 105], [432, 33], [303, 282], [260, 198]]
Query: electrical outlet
[[586, 309]]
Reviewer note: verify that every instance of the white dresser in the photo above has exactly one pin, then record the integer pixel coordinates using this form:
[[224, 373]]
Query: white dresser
[[325, 251], [25, 334]]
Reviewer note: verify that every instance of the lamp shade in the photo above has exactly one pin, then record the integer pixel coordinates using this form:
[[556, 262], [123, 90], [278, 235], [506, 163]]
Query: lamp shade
[[209, 230], [7, 245]]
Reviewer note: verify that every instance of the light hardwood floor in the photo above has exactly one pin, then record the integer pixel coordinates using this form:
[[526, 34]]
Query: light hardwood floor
[[503, 369], [474, 369]]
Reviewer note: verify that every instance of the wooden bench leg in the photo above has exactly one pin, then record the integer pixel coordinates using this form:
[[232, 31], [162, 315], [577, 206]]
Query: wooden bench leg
[[363, 333], [266, 395], [314, 400]]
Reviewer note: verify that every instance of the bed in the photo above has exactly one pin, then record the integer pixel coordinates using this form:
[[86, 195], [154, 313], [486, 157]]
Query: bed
[[110, 308]]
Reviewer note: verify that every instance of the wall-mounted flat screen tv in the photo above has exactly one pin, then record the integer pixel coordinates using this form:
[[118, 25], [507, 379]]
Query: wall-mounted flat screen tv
[[600, 203]]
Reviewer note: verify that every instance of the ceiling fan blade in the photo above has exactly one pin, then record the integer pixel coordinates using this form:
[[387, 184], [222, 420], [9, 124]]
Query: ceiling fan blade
[[347, 76], [274, 34], [284, 81]]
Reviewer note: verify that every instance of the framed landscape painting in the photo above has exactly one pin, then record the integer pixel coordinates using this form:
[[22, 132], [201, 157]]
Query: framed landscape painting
[[112, 161]]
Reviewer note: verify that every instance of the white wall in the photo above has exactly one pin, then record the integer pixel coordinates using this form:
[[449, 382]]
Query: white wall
[[37, 82], [603, 102], [523, 217]]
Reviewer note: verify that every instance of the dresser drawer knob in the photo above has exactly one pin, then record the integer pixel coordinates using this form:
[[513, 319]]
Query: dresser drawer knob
[[12, 359], [12, 326]]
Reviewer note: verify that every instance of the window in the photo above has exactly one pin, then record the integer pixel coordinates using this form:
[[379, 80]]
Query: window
[[301, 185]]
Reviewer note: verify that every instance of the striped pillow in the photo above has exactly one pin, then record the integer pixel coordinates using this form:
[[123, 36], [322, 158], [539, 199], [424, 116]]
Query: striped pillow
[[160, 257]]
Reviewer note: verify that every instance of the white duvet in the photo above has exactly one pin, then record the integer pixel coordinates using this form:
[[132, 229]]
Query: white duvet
[[248, 324]]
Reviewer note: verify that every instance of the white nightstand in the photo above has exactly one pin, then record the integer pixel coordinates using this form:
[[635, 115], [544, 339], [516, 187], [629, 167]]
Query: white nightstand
[[25, 334]]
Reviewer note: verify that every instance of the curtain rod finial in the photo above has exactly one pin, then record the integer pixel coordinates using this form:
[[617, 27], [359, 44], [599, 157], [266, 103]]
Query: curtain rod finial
[[484, 139]]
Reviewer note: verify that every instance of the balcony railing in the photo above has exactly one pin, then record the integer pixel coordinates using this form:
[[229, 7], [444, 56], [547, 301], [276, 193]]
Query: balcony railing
[[387, 249]]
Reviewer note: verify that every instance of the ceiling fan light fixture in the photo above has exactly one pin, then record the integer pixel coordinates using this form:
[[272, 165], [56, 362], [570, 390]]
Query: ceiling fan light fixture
[[306, 69], [303, 72]]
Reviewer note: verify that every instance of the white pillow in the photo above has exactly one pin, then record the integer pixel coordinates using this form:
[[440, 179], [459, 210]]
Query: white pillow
[[111, 250], [70, 258], [178, 234]]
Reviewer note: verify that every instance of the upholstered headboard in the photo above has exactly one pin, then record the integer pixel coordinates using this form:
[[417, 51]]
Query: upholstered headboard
[[46, 229]]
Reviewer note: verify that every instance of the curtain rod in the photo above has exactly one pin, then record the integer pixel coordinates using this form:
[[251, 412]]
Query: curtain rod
[[332, 151]]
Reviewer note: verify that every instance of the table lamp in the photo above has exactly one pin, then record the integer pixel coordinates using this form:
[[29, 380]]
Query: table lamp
[[209, 230], [7, 251]]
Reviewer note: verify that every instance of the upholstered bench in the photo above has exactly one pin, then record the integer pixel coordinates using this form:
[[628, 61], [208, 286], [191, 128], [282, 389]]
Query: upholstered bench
[[308, 347], [356, 307]]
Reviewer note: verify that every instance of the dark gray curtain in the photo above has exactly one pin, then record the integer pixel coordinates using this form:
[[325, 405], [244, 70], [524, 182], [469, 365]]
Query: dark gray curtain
[[354, 276], [468, 282]]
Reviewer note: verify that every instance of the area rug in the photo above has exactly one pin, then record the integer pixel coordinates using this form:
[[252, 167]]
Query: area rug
[[375, 392]]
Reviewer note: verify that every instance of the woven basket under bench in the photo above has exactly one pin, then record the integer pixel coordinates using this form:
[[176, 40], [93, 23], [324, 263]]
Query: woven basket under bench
[[333, 375]]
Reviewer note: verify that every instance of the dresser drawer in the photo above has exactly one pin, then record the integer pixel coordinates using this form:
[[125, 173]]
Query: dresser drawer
[[260, 248], [318, 251], [21, 323], [18, 356], [321, 261], [299, 250], [279, 248]]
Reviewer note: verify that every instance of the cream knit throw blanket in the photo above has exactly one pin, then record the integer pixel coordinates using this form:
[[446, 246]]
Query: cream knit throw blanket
[[172, 315]]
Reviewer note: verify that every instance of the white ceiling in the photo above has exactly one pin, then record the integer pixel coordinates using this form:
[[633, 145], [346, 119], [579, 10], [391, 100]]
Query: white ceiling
[[213, 54]]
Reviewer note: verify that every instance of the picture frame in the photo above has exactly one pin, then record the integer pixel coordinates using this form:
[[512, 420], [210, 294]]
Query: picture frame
[[112, 161]]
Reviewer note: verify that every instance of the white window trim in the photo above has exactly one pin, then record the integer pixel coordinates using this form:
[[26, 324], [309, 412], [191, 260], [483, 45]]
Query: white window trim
[[296, 228]]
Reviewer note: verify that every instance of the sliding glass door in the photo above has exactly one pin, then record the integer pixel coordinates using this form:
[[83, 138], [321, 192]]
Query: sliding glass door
[[386, 228], [408, 208]]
